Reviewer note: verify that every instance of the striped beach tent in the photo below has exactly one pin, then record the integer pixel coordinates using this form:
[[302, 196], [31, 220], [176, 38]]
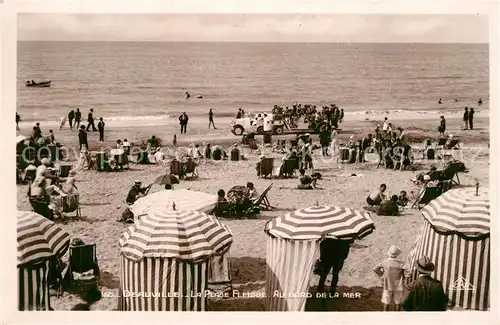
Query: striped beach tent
[[38, 240], [164, 260], [293, 246], [162, 200], [456, 237]]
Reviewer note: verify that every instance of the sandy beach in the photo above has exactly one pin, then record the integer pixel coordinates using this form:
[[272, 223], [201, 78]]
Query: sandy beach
[[102, 197]]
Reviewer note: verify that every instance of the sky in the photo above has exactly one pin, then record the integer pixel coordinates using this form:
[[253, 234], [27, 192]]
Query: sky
[[354, 28]]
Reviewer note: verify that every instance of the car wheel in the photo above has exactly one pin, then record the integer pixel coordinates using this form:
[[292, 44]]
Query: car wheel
[[278, 130], [238, 130], [260, 130]]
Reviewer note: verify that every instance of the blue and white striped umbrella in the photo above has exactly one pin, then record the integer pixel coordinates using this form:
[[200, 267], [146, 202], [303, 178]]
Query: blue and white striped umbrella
[[318, 221]]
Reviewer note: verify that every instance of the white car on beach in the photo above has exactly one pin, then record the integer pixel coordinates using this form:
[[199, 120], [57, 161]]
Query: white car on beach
[[255, 124]]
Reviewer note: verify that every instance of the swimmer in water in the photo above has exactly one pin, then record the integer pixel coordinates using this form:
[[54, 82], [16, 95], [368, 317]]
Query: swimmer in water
[[480, 101], [187, 95], [440, 101]]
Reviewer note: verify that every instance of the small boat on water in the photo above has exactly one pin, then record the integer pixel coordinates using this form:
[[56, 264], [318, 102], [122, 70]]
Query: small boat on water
[[38, 84]]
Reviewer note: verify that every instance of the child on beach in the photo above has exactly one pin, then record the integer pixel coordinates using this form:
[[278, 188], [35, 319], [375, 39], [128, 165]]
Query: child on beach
[[391, 274]]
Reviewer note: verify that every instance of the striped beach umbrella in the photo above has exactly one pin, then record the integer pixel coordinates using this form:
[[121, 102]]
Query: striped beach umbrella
[[463, 211], [38, 238], [179, 234], [456, 237], [318, 221]]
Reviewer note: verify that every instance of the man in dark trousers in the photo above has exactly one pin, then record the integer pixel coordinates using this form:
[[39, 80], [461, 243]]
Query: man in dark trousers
[[90, 120], [78, 118], [82, 137], [211, 119], [333, 253], [466, 118], [71, 117], [183, 120], [100, 127], [471, 118], [442, 126], [425, 293], [18, 119]]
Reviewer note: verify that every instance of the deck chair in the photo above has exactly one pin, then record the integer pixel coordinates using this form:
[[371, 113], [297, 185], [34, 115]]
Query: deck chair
[[441, 142], [263, 201], [190, 168], [453, 143], [176, 168], [71, 203], [266, 167], [427, 195], [280, 146], [83, 267], [64, 170], [219, 274], [289, 167]]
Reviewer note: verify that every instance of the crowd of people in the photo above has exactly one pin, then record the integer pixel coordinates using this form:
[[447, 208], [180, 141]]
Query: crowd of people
[[311, 114]]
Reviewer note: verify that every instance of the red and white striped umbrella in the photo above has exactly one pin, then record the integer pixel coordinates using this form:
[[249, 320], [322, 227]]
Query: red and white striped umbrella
[[185, 235], [460, 211], [319, 221], [38, 238]]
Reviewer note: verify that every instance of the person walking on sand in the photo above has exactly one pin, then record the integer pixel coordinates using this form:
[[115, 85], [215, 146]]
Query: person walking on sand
[[391, 274], [100, 127], [425, 293], [18, 119], [442, 126], [471, 118], [71, 117], [333, 253], [183, 120], [341, 115], [466, 118], [211, 119], [90, 120], [78, 118]]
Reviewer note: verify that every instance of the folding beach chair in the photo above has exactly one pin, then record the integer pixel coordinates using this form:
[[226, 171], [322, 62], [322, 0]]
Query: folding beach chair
[[441, 142], [263, 201], [83, 267], [176, 168], [280, 146], [289, 167], [64, 170], [219, 274], [427, 195], [190, 168], [71, 203], [453, 144], [266, 167]]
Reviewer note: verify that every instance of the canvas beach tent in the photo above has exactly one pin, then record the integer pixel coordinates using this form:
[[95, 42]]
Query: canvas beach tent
[[38, 241], [165, 257], [456, 237], [163, 200], [293, 245]]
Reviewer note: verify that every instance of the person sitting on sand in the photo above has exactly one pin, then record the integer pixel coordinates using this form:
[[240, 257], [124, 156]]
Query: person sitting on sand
[[449, 143], [119, 144], [235, 153], [253, 193], [306, 182], [218, 153], [136, 192], [195, 152], [221, 196], [70, 183], [153, 142], [403, 199], [41, 192], [389, 207], [377, 197], [126, 146]]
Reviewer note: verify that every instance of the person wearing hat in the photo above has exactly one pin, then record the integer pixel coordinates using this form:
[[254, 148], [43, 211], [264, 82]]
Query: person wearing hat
[[136, 192], [425, 293], [235, 153], [391, 274], [42, 170]]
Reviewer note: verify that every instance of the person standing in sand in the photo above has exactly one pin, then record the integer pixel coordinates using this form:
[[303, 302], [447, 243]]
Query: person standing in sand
[[82, 137], [442, 126], [78, 118], [471, 118], [333, 253], [18, 119], [211, 119], [391, 274], [385, 126], [183, 120], [71, 117], [100, 127], [466, 118], [90, 120]]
